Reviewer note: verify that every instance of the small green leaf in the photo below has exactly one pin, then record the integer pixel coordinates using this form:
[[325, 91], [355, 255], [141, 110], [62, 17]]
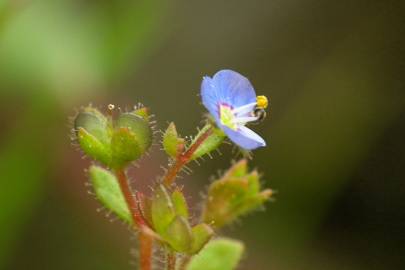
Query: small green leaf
[[179, 203], [178, 234], [172, 143], [212, 142], [108, 192], [219, 254], [162, 209], [202, 233]]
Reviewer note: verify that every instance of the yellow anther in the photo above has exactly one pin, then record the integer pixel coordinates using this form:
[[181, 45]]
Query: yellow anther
[[262, 102]]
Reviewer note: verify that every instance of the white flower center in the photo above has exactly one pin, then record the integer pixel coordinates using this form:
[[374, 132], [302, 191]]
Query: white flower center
[[234, 118]]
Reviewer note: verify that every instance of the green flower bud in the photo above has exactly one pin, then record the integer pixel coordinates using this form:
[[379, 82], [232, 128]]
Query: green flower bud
[[170, 221], [172, 143], [235, 194]]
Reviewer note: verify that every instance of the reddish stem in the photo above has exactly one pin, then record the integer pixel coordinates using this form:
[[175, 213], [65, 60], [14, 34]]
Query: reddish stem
[[145, 239], [171, 261], [146, 247], [130, 199], [184, 158]]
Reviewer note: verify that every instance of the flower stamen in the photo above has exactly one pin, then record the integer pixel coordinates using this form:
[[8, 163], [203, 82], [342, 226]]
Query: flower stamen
[[244, 109], [245, 120], [262, 102]]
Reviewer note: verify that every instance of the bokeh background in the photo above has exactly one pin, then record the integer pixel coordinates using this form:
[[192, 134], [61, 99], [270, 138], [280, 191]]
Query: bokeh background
[[334, 71]]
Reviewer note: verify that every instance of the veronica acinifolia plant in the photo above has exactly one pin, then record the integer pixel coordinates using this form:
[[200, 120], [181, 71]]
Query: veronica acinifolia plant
[[161, 219]]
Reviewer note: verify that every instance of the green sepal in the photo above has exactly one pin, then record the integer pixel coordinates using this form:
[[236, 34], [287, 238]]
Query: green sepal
[[238, 169], [255, 202], [94, 122], [108, 192], [124, 147], [212, 142], [180, 203], [138, 126], [202, 233], [93, 147], [169, 214], [178, 234], [218, 254], [172, 143], [162, 210], [92, 132]]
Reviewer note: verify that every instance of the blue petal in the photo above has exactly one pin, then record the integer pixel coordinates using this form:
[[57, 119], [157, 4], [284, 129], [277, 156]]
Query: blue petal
[[209, 97], [245, 138], [232, 88]]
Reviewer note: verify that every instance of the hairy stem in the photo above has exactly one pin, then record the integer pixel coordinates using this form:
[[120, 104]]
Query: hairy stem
[[145, 239], [184, 262], [171, 260], [184, 158], [146, 250], [130, 199]]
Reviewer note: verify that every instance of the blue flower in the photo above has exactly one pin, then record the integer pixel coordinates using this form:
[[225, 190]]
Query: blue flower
[[232, 101]]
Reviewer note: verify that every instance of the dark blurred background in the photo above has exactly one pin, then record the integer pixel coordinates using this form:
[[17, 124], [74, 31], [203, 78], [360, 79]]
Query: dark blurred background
[[334, 71]]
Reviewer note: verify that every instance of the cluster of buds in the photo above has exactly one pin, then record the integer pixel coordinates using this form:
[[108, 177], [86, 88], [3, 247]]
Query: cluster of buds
[[235, 194]]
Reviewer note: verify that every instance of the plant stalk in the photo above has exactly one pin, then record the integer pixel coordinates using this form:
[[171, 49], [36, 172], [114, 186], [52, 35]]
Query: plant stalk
[[171, 260], [145, 239]]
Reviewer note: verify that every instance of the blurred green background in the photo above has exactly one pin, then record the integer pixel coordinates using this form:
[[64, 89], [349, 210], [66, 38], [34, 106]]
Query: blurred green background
[[334, 71]]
